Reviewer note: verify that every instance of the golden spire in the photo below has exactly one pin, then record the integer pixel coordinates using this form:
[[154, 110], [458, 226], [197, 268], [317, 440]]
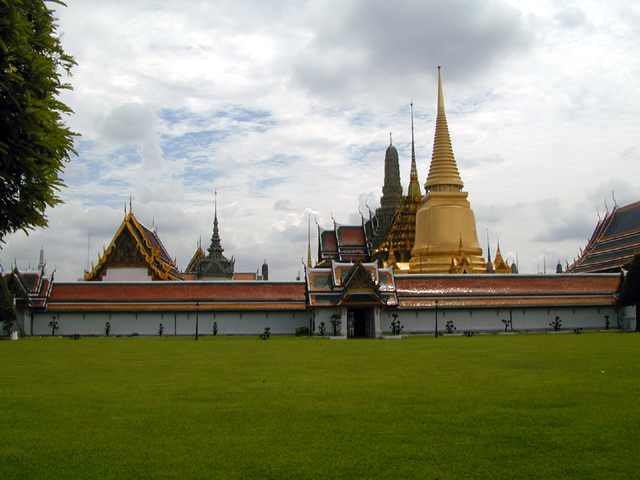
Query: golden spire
[[414, 185], [443, 173], [309, 242]]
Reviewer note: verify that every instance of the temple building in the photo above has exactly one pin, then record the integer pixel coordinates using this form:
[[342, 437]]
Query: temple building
[[214, 266], [391, 196], [446, 238], [396, 248], [135, 254], [417, 261], [614, 242]]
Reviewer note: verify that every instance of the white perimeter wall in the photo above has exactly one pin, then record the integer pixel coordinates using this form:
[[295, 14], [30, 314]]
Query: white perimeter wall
[[490, 319], [180, 323], [285, 322]]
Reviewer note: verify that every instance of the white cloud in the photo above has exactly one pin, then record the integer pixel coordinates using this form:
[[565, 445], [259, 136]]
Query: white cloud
[[285, 108]]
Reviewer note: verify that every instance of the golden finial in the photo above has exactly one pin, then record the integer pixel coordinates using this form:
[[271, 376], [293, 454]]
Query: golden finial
[[308, 241]]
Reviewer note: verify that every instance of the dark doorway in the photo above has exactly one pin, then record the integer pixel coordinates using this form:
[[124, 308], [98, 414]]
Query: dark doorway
[[359, 322]]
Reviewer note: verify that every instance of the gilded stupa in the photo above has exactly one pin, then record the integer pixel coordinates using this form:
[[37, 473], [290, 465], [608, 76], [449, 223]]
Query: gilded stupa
[[446, 239]]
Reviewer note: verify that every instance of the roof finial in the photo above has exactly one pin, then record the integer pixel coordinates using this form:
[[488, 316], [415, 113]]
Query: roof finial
[[308, 241], [390, 138], [414, 184], [613, 195], [130, 207]]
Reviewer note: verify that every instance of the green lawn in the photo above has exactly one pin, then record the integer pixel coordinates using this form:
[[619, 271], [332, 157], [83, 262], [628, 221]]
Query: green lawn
[[491, 406]]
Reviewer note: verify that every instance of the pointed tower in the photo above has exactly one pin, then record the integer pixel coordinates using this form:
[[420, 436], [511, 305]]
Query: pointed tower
[[500, 266], [42, 263], [489, 262], [445, 218], [414, 184], [391, 193], [396, 248], [215, 266]]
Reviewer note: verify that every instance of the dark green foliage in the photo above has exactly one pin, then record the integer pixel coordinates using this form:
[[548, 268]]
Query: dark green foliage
[[322, 328], [160, 330], [507, 324], [54, 325], [34, 142], [8, 313], [396, 326], [214, 330], [107, 328], [335, 323], [266, 334], [450, 327], [577, 330], [556, 324], [302, 331], [607, 322], [629, 293]]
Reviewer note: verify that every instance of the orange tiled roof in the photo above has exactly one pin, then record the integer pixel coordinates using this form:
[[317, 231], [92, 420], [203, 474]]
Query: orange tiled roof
[[465, 290], [172, 295]]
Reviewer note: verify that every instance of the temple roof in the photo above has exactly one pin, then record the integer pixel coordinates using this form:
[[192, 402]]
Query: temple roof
[[135, 245], [192, 267], [506, 290], [346, 243], [30, 289], [171, 296], [613, 243], [352, 283]]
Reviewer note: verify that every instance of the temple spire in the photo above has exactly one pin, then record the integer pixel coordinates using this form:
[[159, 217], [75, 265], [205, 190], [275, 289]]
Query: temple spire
[[414, 184], [443, 173], [309, 242], [215, 249]]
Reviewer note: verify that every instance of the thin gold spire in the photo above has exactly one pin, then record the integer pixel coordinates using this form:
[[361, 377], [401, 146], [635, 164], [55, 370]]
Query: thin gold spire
[[414, 184], [309, 241], [443, 173]]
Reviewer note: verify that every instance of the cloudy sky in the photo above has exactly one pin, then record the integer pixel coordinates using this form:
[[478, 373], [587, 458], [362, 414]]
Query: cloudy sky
[[285, 108]]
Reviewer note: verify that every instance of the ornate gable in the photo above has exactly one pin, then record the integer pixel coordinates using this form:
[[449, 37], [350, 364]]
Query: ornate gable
[[360, 288], [192, 267], [135, 246]]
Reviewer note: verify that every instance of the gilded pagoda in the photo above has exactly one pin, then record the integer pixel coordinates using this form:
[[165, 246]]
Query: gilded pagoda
[[446, 240]]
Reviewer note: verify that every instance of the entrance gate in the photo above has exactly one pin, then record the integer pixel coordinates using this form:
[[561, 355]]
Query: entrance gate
[[359, 322]]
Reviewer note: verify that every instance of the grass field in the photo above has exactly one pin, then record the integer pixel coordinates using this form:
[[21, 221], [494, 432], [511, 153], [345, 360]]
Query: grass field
[[486, 407]]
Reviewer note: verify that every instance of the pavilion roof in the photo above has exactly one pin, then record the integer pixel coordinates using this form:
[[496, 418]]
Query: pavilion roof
[[613, 243], [135, 244]]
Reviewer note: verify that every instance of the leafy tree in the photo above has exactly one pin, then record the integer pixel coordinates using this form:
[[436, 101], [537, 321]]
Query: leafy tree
[[335, 323], [54, 325], [629, 293], [34, 142], [8, 315]]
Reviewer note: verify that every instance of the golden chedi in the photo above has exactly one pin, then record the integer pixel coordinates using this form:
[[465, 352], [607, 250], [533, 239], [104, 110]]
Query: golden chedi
[[446, 240]]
